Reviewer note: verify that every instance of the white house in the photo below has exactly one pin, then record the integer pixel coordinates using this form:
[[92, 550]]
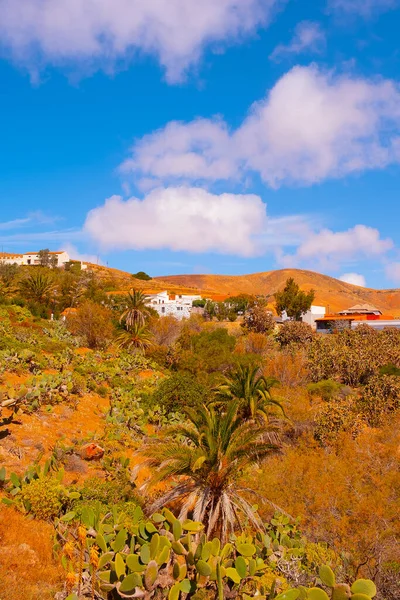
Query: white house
[[175, 305], [32, 258], [315, 312]]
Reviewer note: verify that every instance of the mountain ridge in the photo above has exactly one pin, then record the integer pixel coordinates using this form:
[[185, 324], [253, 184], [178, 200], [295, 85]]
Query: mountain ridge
[[329, 292]]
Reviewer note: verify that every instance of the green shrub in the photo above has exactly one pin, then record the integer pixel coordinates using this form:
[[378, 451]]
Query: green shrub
[[180, 391], [325, 389], [44, 497]]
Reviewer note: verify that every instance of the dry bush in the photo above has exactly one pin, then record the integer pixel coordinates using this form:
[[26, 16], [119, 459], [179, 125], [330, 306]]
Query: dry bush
[[259, 320], [294, 332], [165, 330], [93, 322], [353, 356], [348, 497], [290, 368], [257, 343], [28, 569]]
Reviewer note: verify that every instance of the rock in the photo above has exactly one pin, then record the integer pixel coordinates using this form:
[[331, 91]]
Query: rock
[[75, 464], [91, 452]]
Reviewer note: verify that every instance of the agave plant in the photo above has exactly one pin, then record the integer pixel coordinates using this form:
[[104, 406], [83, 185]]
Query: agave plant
[[138, 337], [136, 310], [39, 287], [208, 456], [252, 390]]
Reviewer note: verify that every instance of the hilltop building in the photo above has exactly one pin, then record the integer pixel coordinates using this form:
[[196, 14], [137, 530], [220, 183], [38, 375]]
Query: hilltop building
[[32, 258], [354, 316], [175, 305]]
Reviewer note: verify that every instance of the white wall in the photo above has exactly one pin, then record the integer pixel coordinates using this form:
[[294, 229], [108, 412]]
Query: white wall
[[315, 312]]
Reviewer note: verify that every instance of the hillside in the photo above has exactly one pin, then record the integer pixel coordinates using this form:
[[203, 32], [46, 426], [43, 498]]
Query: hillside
[[330, 292]]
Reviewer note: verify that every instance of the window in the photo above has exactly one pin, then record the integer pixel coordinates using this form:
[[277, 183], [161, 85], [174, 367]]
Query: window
[[163, 309]]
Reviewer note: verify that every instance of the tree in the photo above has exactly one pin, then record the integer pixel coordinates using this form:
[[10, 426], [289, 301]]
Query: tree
[[293, 300], [8, 277], [137, 336], [253, 392], [93, 322], [295, 332], [44, 257], [179, 392], [142, 275], [209, 455], [259, 320], [39, 286], [136, 310]]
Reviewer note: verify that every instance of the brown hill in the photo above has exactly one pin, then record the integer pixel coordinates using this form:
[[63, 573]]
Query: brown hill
[[329, 292]]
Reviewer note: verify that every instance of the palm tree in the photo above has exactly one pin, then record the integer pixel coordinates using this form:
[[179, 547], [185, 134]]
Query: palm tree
[[252, 390], [137, 336], [38, 287], [208, 455], [136, 310]]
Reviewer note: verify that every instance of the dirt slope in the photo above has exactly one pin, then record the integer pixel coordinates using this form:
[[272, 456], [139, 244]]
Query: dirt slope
[[330, 292]]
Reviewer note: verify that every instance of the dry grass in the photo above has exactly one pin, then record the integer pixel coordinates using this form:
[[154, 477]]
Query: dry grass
[[28, 569]]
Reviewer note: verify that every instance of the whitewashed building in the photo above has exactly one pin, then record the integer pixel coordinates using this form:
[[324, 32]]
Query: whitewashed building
[[32, 258], [314, 313], [174, 305]]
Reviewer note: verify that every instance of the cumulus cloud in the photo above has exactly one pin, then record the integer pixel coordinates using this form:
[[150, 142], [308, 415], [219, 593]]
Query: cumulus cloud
[[312, 125], [392, 271], [308, 37], [100, 31], [357, 241], [75, 254], [354, 279], [364, 8], [329, 249], [180, 219]]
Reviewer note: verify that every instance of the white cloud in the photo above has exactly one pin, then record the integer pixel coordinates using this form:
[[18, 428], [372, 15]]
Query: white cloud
[[181, 219], [364, 8], [103, 31], [312, 125], [75, 254], [354, 279], [392, 271], [357, 241], [308, 37]]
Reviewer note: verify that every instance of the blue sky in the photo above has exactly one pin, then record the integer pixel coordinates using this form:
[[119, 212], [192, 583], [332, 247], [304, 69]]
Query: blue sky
[[179, 137]]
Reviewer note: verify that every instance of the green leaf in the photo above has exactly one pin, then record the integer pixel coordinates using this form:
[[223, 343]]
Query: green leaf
[[158, 518], [101, 542], [246, 549], [132, 560], [154, 545], [360, 597], [120, 540], [177, 529], [69, 516], [174, 592], [241, 566], [364, 586], [317, 594], [72, 597], [145, 554], [105, 559], [185, 586], [119, 566], [203, 568], [327, 576], [288, 595], [192, 526], [233, 575], [130, 583]]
